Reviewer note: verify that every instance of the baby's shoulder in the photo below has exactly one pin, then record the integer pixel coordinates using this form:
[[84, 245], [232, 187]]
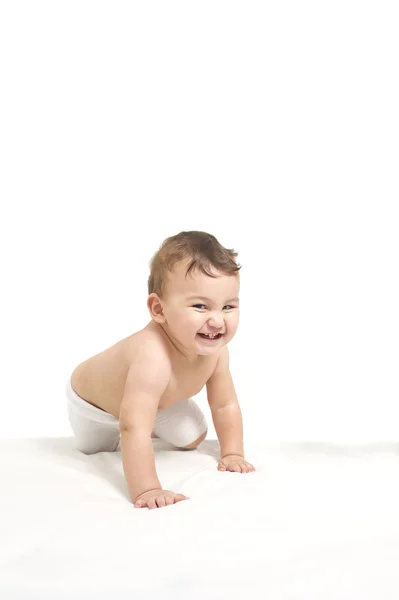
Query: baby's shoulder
[[147, 345]]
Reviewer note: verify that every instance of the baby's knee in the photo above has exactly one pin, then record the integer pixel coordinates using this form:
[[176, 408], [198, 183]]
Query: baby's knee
[[196, 443], [182, 424]]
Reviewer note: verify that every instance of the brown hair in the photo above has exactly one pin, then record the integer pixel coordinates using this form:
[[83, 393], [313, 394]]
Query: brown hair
[[199, 248]]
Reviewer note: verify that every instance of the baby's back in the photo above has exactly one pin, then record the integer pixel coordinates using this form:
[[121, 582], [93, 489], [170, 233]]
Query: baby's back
[[100, 380]]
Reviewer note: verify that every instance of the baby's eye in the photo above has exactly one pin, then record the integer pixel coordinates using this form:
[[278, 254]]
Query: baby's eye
[[199, 305]]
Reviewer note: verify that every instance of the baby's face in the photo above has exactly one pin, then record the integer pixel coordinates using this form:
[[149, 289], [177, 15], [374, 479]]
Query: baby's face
[[198, 304]]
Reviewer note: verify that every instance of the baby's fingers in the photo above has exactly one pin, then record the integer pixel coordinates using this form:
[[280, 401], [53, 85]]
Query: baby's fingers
[[151, 503], [180, 497]]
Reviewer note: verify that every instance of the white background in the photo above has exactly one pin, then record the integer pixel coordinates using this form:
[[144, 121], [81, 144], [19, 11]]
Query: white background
[[272, 125]]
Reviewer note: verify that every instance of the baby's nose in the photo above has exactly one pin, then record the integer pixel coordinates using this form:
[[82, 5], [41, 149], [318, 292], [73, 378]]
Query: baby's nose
[[217, 321]]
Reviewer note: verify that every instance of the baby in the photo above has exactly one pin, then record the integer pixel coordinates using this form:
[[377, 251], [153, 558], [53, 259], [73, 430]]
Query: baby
[[142, 386]]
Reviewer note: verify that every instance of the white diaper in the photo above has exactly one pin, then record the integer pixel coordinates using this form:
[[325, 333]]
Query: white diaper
[[97, 431]]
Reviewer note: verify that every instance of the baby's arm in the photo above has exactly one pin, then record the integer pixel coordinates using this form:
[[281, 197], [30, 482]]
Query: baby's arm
[[225, 409], [146, 381], [227, 418]]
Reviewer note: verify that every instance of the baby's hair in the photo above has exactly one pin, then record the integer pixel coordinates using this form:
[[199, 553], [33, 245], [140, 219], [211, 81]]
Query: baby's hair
[[199, 249]]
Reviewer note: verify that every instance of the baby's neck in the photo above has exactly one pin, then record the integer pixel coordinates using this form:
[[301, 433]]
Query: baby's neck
[[178, 351]]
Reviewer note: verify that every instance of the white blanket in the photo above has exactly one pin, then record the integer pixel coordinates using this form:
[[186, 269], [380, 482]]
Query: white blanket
[[314, 522]]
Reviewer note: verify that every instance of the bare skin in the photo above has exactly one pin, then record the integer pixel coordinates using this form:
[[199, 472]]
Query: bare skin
[[100, 380]]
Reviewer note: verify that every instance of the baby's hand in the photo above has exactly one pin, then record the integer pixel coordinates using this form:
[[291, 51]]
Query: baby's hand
[[158, 498], [233, 462]]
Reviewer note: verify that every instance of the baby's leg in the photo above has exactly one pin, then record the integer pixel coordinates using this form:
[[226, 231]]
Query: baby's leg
[[183, 425], [95, 430]]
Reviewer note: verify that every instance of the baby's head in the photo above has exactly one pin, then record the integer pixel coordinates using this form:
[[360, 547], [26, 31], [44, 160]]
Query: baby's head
[[193, 289]]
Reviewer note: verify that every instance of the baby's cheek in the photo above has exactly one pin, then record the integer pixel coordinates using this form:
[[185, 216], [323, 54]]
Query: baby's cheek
[[196, 321]]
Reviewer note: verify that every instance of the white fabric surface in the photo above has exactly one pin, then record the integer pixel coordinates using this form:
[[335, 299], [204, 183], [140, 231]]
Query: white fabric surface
[[314, 522]]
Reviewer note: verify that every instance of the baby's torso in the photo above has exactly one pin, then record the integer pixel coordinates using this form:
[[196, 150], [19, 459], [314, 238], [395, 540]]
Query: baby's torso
[[100, 380]]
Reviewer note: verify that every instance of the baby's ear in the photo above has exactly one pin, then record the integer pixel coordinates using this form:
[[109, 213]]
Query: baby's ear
[[154, 306]]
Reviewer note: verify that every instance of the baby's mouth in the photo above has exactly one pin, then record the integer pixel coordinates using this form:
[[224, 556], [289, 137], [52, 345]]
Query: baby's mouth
[[211, 336]]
